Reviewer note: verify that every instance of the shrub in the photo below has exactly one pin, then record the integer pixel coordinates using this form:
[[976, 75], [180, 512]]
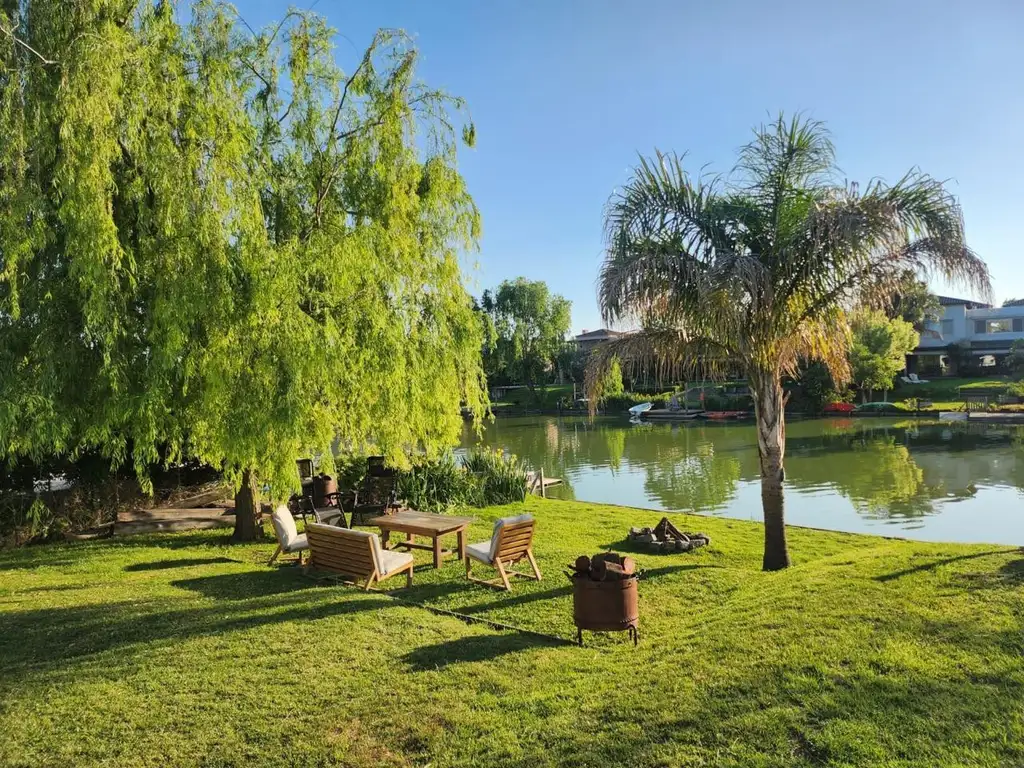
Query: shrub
[[502, 476], [438, 485], [623, 401], [482, 478]]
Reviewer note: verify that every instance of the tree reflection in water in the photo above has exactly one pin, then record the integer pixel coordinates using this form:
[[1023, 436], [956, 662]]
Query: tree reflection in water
[[886, 469]]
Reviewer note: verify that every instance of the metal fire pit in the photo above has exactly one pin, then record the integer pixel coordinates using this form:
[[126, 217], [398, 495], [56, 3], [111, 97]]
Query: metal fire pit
[[605, 606]]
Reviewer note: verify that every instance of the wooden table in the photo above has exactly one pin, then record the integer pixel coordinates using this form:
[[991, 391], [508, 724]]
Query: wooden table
[[421, 524]]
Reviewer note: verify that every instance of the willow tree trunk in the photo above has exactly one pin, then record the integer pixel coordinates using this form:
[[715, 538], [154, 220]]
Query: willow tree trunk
[[248, 519], [769, 411]]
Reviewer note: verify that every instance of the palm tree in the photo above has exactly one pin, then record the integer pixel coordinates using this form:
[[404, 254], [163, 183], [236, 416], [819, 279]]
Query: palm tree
[[756, 271]]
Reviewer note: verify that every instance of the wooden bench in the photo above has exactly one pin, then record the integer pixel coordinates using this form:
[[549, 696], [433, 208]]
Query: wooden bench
[[356, 555]]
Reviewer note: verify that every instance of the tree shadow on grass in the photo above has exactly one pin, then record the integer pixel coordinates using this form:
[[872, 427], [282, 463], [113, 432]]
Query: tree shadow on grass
[[524, 598], [473, 648], [48, 639], [22, 562], [54, 588], [1009, 576], [66, 554], [667, 570], [425, 592], [183, 562], [931, 566], [247, 585]]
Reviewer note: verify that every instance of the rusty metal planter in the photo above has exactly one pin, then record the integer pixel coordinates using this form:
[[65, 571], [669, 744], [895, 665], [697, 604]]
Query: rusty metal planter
[[606, 606]]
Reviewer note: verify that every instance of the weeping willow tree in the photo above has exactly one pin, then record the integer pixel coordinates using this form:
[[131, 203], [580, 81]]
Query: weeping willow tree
[[756, 271], [216, 243]]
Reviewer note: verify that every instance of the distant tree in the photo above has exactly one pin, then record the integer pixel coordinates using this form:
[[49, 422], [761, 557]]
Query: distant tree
[[1014, 362], [216, 244], [611, 384], [914, 302], [1013, 303], [817, 386], [899, 292], [530, 326], [879, 350], [572, 362], [493, 366]]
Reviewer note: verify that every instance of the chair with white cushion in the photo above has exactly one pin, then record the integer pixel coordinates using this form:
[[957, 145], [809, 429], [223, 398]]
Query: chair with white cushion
[[288, 538], [356, 555], [511, 541]]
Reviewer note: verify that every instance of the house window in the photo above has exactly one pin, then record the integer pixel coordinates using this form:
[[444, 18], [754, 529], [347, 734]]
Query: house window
[[999, 326], [1018, 325], [979, 326], [947, 329]]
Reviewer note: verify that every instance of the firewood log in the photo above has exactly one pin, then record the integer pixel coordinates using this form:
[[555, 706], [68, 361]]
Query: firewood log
[[614, 572], [674, 532]]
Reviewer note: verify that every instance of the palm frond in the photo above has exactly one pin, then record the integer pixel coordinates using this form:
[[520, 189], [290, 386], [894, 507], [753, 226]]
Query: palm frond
[[851, 238], [786, 156], [824, 337], [661, 233]]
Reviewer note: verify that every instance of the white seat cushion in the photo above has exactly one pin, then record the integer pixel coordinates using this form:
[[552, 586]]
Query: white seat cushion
[[481, 551], [284, 527], [498, 525], [299, 542], [392, 561]]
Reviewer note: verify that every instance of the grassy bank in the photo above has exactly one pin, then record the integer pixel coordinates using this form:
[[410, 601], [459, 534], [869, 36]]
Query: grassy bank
[[179, 650]]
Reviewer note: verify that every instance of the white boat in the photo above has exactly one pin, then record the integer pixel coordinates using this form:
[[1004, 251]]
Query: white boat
[[636, 410]]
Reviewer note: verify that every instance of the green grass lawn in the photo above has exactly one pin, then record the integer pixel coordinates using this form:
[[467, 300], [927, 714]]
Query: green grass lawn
[[546, 397], [949, 388], [179, 650]]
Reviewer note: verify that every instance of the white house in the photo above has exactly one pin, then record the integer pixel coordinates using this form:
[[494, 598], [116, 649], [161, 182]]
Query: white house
[[984, 332]]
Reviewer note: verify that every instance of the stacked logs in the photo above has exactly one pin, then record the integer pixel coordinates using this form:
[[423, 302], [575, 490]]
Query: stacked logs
[[605, 566], [665, 537]]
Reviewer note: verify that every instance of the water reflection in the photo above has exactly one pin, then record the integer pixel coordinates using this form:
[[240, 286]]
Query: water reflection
[[937, 480]]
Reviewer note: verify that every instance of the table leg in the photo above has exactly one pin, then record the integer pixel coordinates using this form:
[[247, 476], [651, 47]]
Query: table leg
[[462, 544], [437, 551], [385, 537], [408, 538]]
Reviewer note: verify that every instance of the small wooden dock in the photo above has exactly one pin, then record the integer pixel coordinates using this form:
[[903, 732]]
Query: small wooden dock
[[537, 483]]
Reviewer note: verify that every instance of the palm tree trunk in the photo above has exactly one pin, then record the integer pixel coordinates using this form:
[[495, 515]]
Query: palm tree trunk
[[248, 521], [769, 412]]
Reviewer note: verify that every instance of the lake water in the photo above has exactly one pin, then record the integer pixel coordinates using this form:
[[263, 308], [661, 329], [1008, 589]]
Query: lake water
[[922, 480]]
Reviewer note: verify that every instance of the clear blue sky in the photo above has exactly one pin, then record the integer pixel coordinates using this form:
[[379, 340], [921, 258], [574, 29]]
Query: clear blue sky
[[565, 93]]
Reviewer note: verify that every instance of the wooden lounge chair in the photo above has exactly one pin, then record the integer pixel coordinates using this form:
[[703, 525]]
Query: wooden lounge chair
[[356, 555], [288, 538], [511, 541]]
